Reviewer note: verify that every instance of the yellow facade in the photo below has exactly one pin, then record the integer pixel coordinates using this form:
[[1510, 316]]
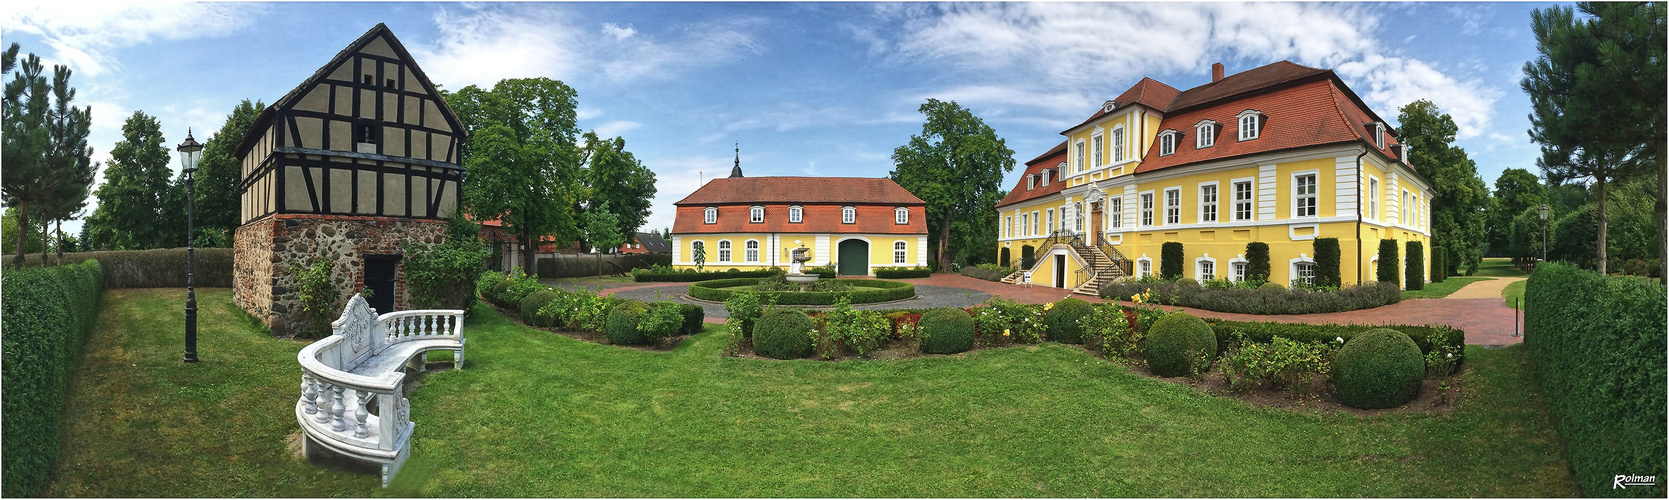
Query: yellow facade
[[774, 250]]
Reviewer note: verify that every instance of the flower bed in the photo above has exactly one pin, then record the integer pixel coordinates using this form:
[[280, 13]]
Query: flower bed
[[862, 292]]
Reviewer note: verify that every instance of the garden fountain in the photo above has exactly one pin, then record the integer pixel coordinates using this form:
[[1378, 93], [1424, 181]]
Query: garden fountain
[[796, 269]]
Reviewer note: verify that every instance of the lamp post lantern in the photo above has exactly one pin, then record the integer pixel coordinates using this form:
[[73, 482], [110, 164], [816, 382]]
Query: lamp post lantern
[[190, 151], [1543, 211]]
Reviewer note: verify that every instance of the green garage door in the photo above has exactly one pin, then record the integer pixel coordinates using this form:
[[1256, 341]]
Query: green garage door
[[854, 258]]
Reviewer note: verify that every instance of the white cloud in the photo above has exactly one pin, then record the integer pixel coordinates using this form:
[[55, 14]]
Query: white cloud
[[82, 37], [1388, 83], [615, 128], [619, 33], [676, 178]]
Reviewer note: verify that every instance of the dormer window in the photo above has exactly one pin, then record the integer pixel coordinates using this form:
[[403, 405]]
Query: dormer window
[[756, 214], [1251, 124], [901, 215], [1060, 173], [1378, 135], [1031, 181], [1205, 134], [1167, 142], [848, 215], [710, 215], [1046, 177], [794, 214]]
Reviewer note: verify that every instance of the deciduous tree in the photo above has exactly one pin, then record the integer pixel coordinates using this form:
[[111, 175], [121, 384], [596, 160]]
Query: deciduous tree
[[130, 214], [615, 179], [217, 207], [1459, 209], [1516, 190], [956, 165]]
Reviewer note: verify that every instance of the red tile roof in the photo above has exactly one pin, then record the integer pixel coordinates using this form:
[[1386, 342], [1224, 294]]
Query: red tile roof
[[800, 190], [1252, 80], [1050, 160], [815, 218], [1147, 92]]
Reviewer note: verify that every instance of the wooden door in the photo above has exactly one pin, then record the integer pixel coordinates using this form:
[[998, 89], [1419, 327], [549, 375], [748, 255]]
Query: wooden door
[[381, 272], [1060, 271], [1095, 223], [854, 258]]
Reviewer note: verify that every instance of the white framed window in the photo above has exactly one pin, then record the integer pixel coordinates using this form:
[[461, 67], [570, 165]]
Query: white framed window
[[1147, 209], [1050, 213], [1304, 197], [901, 215], [1036, 221], [1008, 226], [1239, 271], [1379, 135], [1115, 212], [1078, 157], [1025, 225], [1118, 144], [795, 214], [1205, 134], [1208, 202], [848, 215], [1096, 152], [1373, 198], [1205, 269], [1304, 273], [1404, 219], [710, 215], [1250, 124], [1144, 267], [756, 214], [697, 247], [1173, 205], [1167, 142], [1046, 175], [751, 251], [1243, 200], [724, 251], [899, 252], [1078, 216], [1031, 181]]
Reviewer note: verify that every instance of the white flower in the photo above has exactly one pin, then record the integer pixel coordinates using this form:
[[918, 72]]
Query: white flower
[[1450, 355], [1338, 339]]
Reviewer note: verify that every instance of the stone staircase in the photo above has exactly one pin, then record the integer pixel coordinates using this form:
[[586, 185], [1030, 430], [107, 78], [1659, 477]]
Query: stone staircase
[[1103, 269], [1015, 277]]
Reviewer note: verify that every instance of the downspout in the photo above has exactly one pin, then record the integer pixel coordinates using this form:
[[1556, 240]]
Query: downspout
[[1359, 183]]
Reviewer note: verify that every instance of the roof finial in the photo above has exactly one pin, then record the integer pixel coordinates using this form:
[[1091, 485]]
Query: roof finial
[[736, 171]]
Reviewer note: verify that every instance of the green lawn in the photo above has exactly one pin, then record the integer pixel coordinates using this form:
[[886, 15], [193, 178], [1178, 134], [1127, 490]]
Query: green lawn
[[1498, 266], [536, 414], [1440, 290], [1514, 292]]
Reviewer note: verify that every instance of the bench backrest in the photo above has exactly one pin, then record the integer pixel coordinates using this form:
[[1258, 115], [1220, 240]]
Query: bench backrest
[[357, 326]]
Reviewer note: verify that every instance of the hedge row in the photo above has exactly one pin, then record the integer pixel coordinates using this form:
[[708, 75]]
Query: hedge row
[[159, 268], [893, 273], [48, 313], [865, 291], [1597, 347], [1266, 331], [985, 274], [1263, 300], [645, 275]]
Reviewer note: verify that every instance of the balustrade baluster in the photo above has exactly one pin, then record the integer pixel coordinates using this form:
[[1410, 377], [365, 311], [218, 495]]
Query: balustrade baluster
[[322, 392], [428, 324], [336, 409], [307, 393], [360, 413]]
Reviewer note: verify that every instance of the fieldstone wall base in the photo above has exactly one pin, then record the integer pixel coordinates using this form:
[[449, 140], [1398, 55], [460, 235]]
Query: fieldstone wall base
[[269, 252]]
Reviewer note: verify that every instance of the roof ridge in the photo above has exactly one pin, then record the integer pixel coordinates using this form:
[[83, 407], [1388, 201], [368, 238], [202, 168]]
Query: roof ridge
[[1333, 93]]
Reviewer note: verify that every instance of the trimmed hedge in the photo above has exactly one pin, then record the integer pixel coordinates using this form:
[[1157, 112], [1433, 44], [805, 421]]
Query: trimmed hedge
[[48, 312], [158, 268], [1380, 368], [622, 325], [1062, 320], [1170, 260], [1257, 261], [1415, 274], [1268, 298], [645, 275], [533, 303], [1266, 331], [1597, 348], [985, 274], [864, 292], [783, 333], [1177, 342], [694, 316], [1002, 257], [892, 273], [1326, 261], [946, 331], [1438, 272], [1386, 271], [1028, 257]]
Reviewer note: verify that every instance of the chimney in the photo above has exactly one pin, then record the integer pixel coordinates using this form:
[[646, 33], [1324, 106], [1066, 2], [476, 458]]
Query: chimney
[[1216, 72]]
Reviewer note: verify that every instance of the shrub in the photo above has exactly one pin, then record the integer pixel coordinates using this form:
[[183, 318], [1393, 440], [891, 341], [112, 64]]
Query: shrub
[[1268, 298], [1257, 261], [48, 312], [1001, 321], [663, 320], [1170, 260], [688, 275], [318, 295], [519, 288], [852, 330], [1380, 368], [861, 291], [694, 316], [580, 310], [1427, 338], [157, 268], [1438, 260], [903, 272], [986, 274], [1387, 269], [533, 303], [438, 276], [1326, 262], [1270, 285], [1002, 257], [1108, 330], [1063, 320], [485, 282], [1180, 344], [1597, 347], [946, 331], [744, 309], [783, 334], [622, 327], [1281, 363], [1028, 257], [497, 290], [1415, 274], [1188, 282]]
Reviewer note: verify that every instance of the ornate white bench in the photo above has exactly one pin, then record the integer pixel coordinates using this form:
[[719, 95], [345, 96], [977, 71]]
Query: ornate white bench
[[351, 401]]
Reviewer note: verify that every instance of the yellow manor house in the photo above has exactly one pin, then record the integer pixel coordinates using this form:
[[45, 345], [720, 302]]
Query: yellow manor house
[[855, 224], [1282, 154]]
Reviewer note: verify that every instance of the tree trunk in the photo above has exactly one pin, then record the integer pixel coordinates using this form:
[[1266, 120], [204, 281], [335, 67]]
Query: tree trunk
[[46, 229], [22, 235], [1600, 252], [60, 242], [944, 237], [531, 255]]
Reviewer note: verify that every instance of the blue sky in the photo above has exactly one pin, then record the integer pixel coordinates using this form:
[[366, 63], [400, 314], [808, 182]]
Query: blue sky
[[806, 88]]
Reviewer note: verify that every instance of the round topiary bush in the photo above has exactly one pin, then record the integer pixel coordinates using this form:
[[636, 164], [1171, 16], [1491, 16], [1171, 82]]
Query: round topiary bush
[[1180, 344], [783, 334], [497, 291], [1273, 285], [1187, 282], [946, 331], [531, 305], [1380, 368], [622, 324], [1062, 320]]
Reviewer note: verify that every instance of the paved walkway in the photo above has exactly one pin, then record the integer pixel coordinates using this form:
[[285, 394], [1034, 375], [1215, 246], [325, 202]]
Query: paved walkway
[[1484, 289]]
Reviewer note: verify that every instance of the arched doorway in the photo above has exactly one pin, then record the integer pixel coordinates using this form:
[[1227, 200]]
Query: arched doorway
[[853, 257]]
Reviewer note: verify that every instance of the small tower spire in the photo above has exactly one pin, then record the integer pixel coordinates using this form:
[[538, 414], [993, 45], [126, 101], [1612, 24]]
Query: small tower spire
[[736, 171]]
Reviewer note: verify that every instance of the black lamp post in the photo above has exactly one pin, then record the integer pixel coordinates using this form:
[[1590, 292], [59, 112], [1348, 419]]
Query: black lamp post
[[190, 151], [1543, 211]]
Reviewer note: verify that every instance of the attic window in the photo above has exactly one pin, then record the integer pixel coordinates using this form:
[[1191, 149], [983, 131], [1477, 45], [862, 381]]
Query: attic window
[[756, 214], [1379, 135], [1046, 177], [1167, 142], [1031, 181], [1251, 124], [370, 80], [710, 215], [367, 133], [389, 83], [1205, 134]]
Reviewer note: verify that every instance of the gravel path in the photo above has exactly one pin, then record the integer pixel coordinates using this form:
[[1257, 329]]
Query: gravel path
[[1483, 289]]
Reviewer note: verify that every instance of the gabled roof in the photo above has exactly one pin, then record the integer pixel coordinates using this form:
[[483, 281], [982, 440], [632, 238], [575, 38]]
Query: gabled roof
[[1147, 92], [1249, 81], [289, 99], [1052, 161], [653, 242], [800, 190]]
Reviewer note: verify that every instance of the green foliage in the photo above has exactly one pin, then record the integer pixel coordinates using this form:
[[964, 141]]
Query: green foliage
[[130, 214], [1415, 273], [48, 313], [1458, 209], [852, 330], [318, 296], [1270, 285], [1428, 338], [1107, 330], [1386, 271], [1028, 257], [987, 272], [48, 167], [861, 291], [581, 310], [1187, 282], [1598, 345], [783, 333], [956, 165], [1003, 258], [1380, 368], [665, 319], [892, 273], [9, 233], [438, 276], [622, 327], [1267, 298], [744, 308], [1439, 271], [1257, 262], [603, 227], [1516, 191], [1180, 344], [688, 275], [617, 182], [946, 331], [779, 283], [1002, 322], [1327, 272], [217, 206], [1281, 363], [159, 268], [1062, 320], [1170, 260], [694, 317], [535, 302]]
